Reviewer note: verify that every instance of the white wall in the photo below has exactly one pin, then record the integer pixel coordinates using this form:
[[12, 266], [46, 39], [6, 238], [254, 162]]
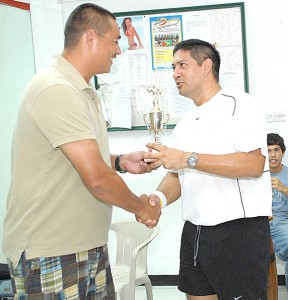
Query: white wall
[[266, 30], [16, 68]]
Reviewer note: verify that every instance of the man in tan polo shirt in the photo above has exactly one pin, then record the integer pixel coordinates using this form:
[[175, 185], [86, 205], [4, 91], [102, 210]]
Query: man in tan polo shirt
[[64, 182]]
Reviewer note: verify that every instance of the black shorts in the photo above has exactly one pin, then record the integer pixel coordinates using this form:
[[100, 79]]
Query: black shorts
[[230, 260]]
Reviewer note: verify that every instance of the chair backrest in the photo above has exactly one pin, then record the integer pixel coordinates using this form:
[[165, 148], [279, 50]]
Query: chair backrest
[[131, 235]]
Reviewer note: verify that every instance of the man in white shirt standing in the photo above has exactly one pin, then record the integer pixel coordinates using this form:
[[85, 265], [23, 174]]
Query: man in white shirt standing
[[219, 167]]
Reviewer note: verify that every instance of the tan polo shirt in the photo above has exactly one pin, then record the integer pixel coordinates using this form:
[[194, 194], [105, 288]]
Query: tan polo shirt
[[49, 210]]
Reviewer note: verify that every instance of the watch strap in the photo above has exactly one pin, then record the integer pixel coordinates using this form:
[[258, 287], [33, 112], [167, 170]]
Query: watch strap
[[117, 164]]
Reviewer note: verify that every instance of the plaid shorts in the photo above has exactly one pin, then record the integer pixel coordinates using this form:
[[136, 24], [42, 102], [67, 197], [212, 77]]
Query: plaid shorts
[[80, 276]]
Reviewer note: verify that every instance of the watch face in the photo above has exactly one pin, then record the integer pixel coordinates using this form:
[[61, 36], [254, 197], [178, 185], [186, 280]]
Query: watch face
[[192, 160]]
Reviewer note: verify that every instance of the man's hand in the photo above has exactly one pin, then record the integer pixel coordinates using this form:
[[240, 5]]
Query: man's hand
[[169, 158], [154, 200], [134, 163], [152, 211], [278, 185]]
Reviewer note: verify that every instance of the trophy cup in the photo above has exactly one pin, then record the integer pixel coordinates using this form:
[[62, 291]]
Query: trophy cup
[[156, 119]]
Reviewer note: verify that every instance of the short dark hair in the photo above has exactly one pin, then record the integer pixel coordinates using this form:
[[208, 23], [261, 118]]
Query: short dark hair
[[201, 50], [276, 139], [83, 18]]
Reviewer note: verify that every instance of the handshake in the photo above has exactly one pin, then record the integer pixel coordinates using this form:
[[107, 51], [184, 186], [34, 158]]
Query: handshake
[[151, 211], [144, 162]]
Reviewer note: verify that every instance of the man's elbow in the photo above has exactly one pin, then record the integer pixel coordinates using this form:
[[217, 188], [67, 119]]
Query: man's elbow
[[257, 166], [258, 174], [98, 184], [257, 171]]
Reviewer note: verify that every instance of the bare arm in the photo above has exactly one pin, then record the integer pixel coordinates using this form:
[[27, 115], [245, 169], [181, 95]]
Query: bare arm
[[102, 181], [231, 165], [170, 187]]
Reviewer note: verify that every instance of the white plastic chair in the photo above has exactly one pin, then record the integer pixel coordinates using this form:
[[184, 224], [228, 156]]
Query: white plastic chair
[[130, 268]]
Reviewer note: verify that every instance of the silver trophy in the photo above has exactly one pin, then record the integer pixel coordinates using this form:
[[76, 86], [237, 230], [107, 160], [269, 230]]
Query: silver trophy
[[156, 120]]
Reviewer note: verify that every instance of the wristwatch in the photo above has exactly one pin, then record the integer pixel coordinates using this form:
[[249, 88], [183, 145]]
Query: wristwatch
[[192, 160]]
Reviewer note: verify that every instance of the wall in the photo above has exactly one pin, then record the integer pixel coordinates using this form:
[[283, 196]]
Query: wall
[[266, 29], [17, 67]]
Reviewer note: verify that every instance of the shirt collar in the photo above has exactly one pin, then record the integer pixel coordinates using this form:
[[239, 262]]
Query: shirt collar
[[71, 73]]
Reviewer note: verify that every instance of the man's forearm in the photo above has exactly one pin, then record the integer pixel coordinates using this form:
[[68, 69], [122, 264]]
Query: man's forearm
[[170, 187]]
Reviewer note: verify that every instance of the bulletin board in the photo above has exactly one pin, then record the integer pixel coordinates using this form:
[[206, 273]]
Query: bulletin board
[[145, 61]]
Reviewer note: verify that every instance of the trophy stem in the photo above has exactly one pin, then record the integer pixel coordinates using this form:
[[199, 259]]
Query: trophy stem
[[157, 139]]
